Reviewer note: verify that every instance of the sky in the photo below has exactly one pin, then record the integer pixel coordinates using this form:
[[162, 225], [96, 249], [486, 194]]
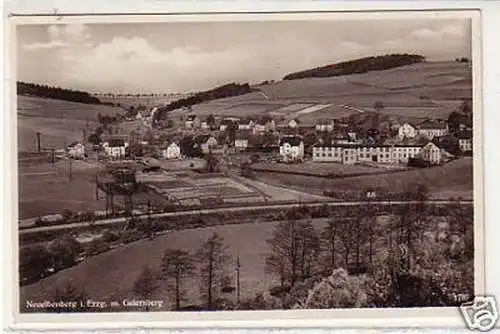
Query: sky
[[180, 57]]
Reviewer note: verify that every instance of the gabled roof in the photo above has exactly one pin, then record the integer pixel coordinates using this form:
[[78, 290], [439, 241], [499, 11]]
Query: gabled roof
[[244, 134], [246, 120], [292, 140], [201, 139], [116, 142], [73, 144], [431, 124], [466, 134], [226, 122]]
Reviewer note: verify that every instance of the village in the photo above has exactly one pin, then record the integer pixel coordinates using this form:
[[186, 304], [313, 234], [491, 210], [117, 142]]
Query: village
[[354, 140]]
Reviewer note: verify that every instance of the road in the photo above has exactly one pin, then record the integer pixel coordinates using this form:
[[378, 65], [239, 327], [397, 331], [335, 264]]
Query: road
[[228, 210]]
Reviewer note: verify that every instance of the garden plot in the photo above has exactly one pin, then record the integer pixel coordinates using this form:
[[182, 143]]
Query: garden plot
[[184, 188]]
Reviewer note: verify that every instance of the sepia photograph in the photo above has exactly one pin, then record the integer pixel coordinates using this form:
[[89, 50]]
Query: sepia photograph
[[244, 165]]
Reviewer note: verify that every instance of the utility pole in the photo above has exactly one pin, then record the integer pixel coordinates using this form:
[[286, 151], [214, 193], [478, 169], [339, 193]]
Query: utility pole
[[70, 169], [238, 266], [38, 145], [96, 189], [53, 156]]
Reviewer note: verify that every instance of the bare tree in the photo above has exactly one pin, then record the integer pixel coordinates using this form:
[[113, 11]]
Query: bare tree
[[146, 285], [213, 257], [176, 265], [294, 245], [330, 235]]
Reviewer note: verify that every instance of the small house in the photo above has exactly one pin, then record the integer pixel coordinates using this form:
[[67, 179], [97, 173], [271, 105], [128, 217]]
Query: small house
[[292, 148], [76, 150], [115, 147], [465, 140], [192, 122], [206, 142], [172, 151], [325, 125], [407, 130], [242, 140], [246, 124]]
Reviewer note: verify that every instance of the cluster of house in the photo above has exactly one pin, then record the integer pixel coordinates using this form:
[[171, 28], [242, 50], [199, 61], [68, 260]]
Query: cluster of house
[[349, 149], [335, 141]]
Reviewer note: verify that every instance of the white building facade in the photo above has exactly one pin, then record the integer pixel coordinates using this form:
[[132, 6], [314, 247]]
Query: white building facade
[[407, 131], [292, 148], [173, 151]]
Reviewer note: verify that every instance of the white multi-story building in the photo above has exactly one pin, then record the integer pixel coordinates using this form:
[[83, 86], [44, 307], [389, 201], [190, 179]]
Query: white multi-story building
[[432, 129], [292, 148], [363, 153]]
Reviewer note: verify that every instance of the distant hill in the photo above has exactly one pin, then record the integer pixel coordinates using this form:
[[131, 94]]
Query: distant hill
[[228, 90], [56, 93], [357, 66]]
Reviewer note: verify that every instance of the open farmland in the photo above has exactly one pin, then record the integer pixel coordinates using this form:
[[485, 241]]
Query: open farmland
[[59, 122], [317, 168], [451, 180], [416, 91], [44, 189], [189, 188]]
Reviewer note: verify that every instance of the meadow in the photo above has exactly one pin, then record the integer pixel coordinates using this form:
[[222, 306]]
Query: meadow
[[453, 179], [418, 91], [111, 275], [59, 122]]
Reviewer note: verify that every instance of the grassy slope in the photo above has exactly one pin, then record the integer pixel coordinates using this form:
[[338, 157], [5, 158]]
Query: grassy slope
[[400, 89], [453, 179], [58, 121]]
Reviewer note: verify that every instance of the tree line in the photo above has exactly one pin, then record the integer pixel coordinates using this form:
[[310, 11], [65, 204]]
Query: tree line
[[361, 65], [228, 90], [56, 93]]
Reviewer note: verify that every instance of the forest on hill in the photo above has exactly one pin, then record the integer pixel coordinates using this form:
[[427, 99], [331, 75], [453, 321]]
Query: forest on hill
[[358, 66], [228, 90], [56, 93]]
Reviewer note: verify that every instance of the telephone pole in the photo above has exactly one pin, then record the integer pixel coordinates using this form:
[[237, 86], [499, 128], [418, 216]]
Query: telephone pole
[[238, 266], [38, 145], [70, 169], [53, 156]]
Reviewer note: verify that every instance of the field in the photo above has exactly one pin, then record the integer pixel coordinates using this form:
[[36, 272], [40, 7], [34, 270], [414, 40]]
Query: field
[[111, 275], [59, 122], [189, 187], [44, 189], [416, 91], [318, 168], [451, 180]]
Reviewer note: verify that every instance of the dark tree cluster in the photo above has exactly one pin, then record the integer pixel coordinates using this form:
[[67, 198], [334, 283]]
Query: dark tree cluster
[[362, 65], [232, 89], [56, 93]]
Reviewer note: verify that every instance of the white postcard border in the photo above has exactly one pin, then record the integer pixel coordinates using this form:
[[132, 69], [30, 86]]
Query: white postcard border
[[429, 317]]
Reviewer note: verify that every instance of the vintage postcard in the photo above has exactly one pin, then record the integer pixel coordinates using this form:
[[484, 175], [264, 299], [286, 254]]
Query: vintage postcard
[[236, 163]]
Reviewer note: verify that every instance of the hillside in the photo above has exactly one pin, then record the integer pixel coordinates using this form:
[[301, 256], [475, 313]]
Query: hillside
[[58, 121], [57, 93], [356, 66], [421, 90]]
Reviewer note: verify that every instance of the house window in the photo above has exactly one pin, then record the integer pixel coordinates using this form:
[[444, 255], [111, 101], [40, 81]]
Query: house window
[[330, 154]]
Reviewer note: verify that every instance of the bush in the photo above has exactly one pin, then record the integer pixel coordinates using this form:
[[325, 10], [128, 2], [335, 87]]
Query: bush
[[110, 236], [278, 291]]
